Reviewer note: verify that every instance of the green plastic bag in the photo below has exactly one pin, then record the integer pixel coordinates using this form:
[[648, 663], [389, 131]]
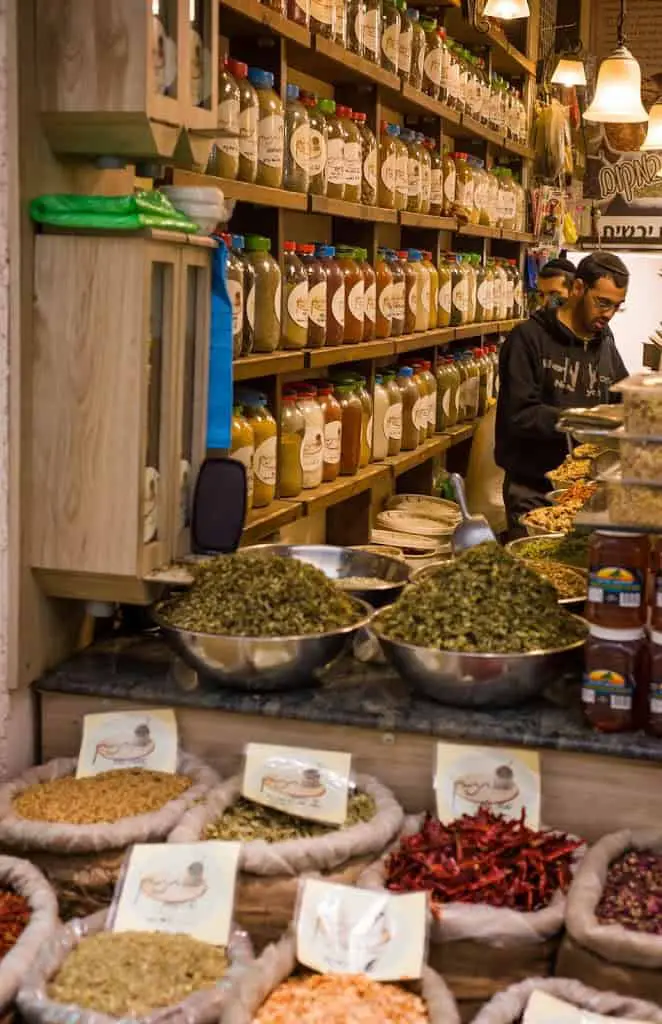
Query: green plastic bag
[[111, 213]]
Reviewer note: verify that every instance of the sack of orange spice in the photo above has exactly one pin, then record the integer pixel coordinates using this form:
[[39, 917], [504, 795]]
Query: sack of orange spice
[[28, 918]]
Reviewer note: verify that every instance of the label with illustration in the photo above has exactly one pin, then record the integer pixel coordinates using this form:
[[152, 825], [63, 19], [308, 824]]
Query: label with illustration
[[370, 169], [335, 161], [385, 301], [353, 163], [412, 298], [485, 295], [390, 41], [316, 152], [398, 300], [183, 888], [425, 292], [370, 33], [388, 173], [432, 66], [248, 134], [311, 784], [615, 585], [370, 303], [270, 140], [603, 686], [332, 438], [264, 463], [436, 187], [297, 304], [344, 930], [312, 450], [393, 422], [401, 171], [414, 176], [355, 301], [404, 49], [461, 295], [545, 1009], [228, 116], [317, 303], [338, 305], [300, 146], [505, 780], [250, 307], [445, 293], [128, 739]]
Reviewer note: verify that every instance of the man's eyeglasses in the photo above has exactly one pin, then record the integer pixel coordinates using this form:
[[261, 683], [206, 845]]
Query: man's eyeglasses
[[606, 305]]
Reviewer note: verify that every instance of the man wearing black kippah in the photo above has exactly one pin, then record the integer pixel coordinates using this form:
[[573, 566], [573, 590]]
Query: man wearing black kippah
[[555, 282], [562, 357]]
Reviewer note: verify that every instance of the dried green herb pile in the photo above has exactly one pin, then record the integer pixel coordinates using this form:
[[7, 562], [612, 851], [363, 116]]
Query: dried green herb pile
[[572, 549], [484, 601], [259, 596], [128, 974], [245, 821]]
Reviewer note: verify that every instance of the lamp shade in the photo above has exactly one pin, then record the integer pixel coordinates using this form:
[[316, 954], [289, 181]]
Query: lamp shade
[[569, 72], [654, 138], [617, 97], [507, 10]]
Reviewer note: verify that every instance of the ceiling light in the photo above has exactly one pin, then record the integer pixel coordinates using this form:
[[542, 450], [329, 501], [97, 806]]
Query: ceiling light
[[507, 10], [617, 97], [569, 72], [654, 138]]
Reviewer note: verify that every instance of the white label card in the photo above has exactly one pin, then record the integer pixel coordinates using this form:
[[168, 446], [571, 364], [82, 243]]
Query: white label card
[[179, 888], [545, 1009], [310, 784], [128, 739], [344, 930], [503, 779]]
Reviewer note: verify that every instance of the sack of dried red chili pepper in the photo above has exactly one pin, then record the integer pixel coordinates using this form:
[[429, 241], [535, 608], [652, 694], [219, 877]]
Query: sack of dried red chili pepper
[[269, 870], [82, 860], [28, 918], [497, 892], [332, 999], [508, 1007], [614, 915]]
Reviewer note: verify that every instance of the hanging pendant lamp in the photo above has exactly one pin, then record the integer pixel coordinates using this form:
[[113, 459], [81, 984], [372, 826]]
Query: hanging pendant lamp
[[569, 72], [507, 10], [617, 97], [653, 139]]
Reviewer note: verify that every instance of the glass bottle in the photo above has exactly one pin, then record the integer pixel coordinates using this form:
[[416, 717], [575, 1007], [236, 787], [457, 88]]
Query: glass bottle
[[433, 57], [317, 145], [292, 430], [295, 300], [384, 276], [270, 130], [418, 49], [401, 171], [351, 423], [335, 151], [248, 340], [335, 294], [268, 288], [248, 121], [224, 158], [316, 275], [332, 431], [388, 152], [352, 155], [368, 160], [390, 35], [406, 42], [297, 143], [243, 448]]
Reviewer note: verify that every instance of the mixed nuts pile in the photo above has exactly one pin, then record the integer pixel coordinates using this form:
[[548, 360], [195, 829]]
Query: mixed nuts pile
[[246, 821]]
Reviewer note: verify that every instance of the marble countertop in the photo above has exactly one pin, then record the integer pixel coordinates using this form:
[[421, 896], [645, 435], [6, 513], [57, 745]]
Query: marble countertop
[[370, 696]]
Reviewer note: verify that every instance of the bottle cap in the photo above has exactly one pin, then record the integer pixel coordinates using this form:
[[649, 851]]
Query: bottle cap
[[325, 251], [237, 68], [260, 79], [343, 111], [622, 635], [292, 92], [258, 243], [327, 106], [289, 246], [238, 242], [406, 371]]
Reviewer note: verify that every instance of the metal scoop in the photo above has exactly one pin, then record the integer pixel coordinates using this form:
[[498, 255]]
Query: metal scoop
[[473, 530]]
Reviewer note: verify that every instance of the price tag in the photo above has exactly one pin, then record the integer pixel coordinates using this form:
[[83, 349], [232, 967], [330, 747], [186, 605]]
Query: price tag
[[311, 784], [128, 739], [341, 929], [503, 779], [545, 1009], [179, 888]]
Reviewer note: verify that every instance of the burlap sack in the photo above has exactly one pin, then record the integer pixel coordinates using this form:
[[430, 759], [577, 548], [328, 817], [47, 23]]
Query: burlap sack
[[199, 1008], [507, 1007], [27, 881], [83, 861], [279, 961]]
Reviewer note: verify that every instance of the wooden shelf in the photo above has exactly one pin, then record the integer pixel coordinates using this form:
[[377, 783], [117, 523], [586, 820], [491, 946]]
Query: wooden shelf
[[479, 330], [506, 58], [242, 191], [426, 220], [518, 236], [260, 522], [267, 364], [251, 11], [414, 101], [345, 66], [516, 147], [342, 488], [399, 464], [479, 231], [334, 354], [352, 211], [463, 431], [423, 339], [479, 131]]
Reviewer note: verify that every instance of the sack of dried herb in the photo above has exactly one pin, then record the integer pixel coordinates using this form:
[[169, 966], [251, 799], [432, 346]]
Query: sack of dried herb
[[614, 915], [23, 878], [507, 1007], [267, 882], [278, 962], [112, 811], [123, 975]]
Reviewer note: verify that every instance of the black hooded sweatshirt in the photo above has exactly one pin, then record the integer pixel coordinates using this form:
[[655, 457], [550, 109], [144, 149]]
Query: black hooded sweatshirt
[[543, 368]]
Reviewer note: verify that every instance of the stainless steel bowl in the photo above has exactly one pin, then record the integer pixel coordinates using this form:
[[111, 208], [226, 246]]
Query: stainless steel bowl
[[515, 546], [478, 680], [342, 563], [254, 663]]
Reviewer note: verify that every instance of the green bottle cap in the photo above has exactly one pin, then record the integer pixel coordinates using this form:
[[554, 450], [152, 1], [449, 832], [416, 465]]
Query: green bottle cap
[[327, 106], [258, 243]]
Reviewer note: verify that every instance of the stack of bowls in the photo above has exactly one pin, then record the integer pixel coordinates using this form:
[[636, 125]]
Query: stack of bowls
[[205, 204]]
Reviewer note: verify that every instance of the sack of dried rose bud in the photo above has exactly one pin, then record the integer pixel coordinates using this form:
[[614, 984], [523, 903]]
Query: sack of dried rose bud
[[507, 1007], [267, 882], [277, 963], [201, 1007], [23, 878]]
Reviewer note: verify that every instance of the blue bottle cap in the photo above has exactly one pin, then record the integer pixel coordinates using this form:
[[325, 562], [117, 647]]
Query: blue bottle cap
[[325, 251], [415, 255], [413, 14], [260, 79], [238, 242], [292, 92], [406, 371]]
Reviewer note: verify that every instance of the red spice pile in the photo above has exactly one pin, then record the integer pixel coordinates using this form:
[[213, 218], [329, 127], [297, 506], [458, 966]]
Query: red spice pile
[[483, 859], [14, 917], [632, 895]]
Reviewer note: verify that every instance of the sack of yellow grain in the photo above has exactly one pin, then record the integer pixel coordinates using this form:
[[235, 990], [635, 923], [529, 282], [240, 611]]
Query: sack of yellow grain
[[78, 830], [95, 976], [311, 997], [23, 879], [267, 881], [509, 1006]]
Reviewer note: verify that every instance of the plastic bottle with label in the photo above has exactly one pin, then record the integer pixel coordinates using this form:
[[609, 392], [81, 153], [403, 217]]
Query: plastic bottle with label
[[433, 57], [406, 42], [444, 292], [413, 170], [501, 287], [420, 413], [292, 430], [614, 662], [393, 417], [463, 206], [317, 145], [418, 49], [335, 151], [248, 119], [420, 297], [459, 293], [224, 158], [270, 130], [509, 190], [380, 411], [297, 143], [411, 285], [332, 431], [369, 295], [295, 300], [368, 160], [449, 176], [426, 147], [390, 35], [384, 283], [323, 18], [242, 448], [268, 294], [485, 295], [335, 294], [350, 438], [316, 275], [234, 282], [436, 181], [366, 422], [446, 404], [410, 396], [471, 263], [398, 294], [401, 171], [265, 433], [355, 26], [388, 152], [312, 449], [248, 337], [433, 276], [372, 31], [354, 294], [352, 155]]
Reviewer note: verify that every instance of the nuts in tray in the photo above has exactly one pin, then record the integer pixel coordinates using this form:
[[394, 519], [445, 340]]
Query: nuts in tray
[[642, 403], [641, 459], [634, 504]]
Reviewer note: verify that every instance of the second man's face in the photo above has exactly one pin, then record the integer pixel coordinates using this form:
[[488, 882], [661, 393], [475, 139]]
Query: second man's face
[[552, 291]]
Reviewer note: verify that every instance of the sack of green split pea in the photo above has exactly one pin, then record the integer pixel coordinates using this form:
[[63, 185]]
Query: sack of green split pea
[[78, 830], [274, 988], [92, 976], [564, 1001], [613, 935], [483, 937], [278, 848], [23, 939]]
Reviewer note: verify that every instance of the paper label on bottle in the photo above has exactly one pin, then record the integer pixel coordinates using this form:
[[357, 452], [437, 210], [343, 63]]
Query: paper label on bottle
[[393, 422], [506, 780], [370, 170], [228, 144], [336, 161], [436, 187], [449, 186], [401, 172], [398, 300], [317, 303], [414, 176], [338, 305], [323, 11], [388, 173], [246, 456], [370, 303], [228, 116], [352, 158], [341, 929], [355, 301], [446, 403], [461, 295], [278, 301], [385, 301], [404, 50], [497, 293], [510, 293], [420, 62], [300, 146], [412, 297], [453, 79], [419, 415], [485, 295], [445, 68], [368, 433], [390, 42], [271, 140], [371, 33], [509, 205], [432, 66], [464, 194], [317, 152], [297, 304], [425, 293], [445, 293], [128, 739], [236, 295], [248, 134], [312, 449], [264, 464], [179, 888], [481, 195], [426, 182], [311, 784], [332, 440]]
